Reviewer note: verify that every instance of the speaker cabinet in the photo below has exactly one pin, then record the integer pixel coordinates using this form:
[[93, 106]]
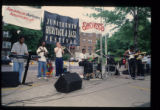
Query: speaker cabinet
[[9, 79], [68, 82]]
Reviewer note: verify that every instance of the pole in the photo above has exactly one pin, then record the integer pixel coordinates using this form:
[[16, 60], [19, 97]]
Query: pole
[[106, 48], [101, 51]]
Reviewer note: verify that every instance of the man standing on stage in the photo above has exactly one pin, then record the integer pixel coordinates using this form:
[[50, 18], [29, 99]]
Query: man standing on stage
[[132, 61], [42, 52], [59, 60], [19, 48]]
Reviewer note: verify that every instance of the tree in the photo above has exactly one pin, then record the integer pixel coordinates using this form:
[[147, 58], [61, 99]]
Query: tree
[[129, 31], [118, 16], [32, 37]]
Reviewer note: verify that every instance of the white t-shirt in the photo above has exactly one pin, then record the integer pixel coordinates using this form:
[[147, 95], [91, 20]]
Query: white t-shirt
[[59, 53], [144, 59], [41, 54], [131, 54], [82, 56]]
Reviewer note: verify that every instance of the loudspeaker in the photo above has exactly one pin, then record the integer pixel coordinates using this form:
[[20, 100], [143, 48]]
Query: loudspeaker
[[68, 82], [9, 79]]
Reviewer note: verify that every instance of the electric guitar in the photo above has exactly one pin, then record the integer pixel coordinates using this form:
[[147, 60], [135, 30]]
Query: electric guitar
[[136, 54]]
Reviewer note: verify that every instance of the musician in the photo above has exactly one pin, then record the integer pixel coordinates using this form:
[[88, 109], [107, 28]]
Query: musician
[[140, 66], [59, 60], [132, 61], [19, 48], [88, 69], [42, 52]]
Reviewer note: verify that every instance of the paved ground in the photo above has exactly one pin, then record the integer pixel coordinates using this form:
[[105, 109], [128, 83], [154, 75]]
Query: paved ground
[[116, 91]]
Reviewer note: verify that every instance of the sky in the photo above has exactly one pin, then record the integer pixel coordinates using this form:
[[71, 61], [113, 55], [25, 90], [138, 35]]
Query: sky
[[78, 12]]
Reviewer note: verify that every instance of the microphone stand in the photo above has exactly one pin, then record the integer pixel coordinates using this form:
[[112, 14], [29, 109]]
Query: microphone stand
[[69, 59], [26, 70], [30, 57]]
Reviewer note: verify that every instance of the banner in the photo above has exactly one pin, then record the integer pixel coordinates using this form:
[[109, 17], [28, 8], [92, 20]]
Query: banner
[[91, 26], [23, 16], [61, 29]]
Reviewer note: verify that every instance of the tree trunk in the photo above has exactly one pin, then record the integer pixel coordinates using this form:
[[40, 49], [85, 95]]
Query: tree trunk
[[135, 27]]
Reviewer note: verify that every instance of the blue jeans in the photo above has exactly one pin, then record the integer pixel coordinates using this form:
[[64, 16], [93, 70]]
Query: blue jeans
[[59, 66], [41, 65], [18, 67]]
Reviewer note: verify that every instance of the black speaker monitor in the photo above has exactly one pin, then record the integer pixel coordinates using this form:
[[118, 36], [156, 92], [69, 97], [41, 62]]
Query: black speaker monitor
[[9, 79], [68, 82]]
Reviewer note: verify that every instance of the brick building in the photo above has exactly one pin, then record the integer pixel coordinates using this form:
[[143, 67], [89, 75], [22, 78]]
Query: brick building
[[88, 41]]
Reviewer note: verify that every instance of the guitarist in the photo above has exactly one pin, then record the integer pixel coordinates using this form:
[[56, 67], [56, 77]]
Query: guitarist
[[42, 52], [132, 61], [140, 66]]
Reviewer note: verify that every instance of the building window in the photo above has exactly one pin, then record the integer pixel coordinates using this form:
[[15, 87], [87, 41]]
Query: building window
[[2, 54], [6, 44], [84, 40], [90, 35], [5, 34], [89, 41], [90, 49]]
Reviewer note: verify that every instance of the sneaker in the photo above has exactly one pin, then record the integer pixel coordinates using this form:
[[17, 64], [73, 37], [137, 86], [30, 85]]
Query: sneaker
[[133, 78], [141, 77]]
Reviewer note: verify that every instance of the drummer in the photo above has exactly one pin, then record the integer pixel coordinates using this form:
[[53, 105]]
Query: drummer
[[88, 69]]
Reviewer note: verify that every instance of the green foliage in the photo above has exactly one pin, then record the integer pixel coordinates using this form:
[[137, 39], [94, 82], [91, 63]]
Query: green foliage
[[66, 56], [124, 37], [32, 37], [50, 48]]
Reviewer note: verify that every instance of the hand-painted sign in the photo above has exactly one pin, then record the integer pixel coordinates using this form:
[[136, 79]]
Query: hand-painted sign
[[23, 16], [61, 29]]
